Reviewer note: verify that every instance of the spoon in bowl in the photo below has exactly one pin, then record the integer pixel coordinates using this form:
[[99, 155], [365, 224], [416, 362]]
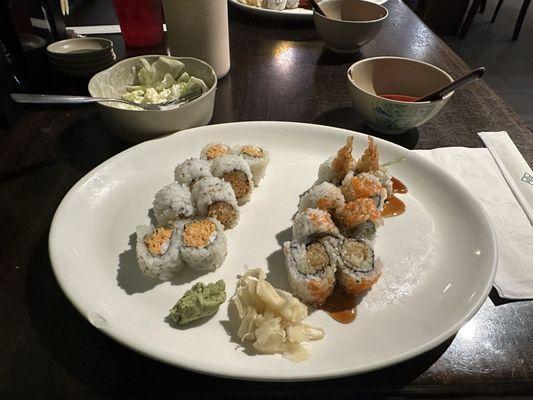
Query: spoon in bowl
[[317, 8], [438, 94]]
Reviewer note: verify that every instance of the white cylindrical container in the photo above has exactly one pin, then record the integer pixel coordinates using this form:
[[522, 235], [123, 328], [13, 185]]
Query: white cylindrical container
[[199, 28]]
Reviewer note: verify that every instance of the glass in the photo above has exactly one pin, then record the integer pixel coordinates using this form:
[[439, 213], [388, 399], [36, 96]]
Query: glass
[[141, 22]]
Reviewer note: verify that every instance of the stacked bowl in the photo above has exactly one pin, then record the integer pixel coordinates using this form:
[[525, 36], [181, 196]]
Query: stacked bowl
[[81, 57]]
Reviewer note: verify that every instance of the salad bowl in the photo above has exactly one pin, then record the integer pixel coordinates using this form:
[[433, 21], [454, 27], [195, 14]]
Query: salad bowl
[[136, 125]]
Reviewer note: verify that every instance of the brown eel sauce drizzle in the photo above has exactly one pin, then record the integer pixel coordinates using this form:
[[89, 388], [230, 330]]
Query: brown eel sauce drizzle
[[393, 205], [341, 306]]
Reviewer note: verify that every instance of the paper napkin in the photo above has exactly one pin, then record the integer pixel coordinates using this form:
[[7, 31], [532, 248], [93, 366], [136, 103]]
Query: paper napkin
[[478, 171]]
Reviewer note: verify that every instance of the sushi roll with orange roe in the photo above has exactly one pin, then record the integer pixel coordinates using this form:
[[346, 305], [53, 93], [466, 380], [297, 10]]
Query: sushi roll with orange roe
[[359, 219], [335, 168], [358, 269], [203, 243], [312, 224], [364, 185], [158, 253], [311, 269], [325, 196]]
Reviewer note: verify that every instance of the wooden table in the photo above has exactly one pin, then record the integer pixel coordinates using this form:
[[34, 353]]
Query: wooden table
[[279, 72]]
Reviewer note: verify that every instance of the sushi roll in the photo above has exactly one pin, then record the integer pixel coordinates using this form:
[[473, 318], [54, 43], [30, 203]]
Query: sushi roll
[[358, 269], [325, 196], [214, 150], [335, 168], [192, 170], [356, 212], [291, 4], [312, 224], [277, 5], [203, 243], [215, 198], [384, 179], [311, 269], [172, 203], [158, 252], [364, 185], [256, 158], [236, 171]]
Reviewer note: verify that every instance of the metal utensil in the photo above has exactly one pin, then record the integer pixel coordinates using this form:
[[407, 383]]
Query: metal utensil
[[450, 87], [317, 8], [67, 99]]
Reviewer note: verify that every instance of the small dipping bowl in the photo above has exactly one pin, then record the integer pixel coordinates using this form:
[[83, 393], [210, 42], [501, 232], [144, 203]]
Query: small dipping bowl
[[370, 78], [350, 24]]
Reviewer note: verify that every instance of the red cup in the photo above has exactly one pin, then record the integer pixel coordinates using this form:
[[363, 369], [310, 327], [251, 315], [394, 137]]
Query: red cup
[[141, 22]]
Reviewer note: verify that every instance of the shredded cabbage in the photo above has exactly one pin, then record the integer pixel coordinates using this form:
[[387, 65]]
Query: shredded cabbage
[[272, 318], [162, 81]]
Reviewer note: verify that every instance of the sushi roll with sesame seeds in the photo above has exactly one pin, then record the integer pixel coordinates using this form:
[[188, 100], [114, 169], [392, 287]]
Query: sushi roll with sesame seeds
[[311, 269], [214, 150], [171, 203], [158, 252], [203, 243], [257, 159], [312, 224], [192, 170], [236, 171], [358, 269], [215, 198], [325, 196]]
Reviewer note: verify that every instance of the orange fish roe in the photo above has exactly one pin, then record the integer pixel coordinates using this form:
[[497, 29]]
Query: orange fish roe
[[360, 187], [154, 242], [370, 159], [343, 162], [357, 211], [252, 151], [198, 234], [217, 150], [325, 204], [319, 218], [239, 182]]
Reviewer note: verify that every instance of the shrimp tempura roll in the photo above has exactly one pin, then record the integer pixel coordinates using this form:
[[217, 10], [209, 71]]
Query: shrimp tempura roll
[[335, 168], [311, 269], [325, 196], [312, 224], [358, 269]]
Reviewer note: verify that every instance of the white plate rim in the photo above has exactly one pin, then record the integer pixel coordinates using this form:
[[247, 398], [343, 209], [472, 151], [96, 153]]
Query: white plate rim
[[296, 13], [429, 345]]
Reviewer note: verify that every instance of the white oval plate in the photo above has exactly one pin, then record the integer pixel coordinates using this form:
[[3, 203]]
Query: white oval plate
[[439, 257], [296, 13]]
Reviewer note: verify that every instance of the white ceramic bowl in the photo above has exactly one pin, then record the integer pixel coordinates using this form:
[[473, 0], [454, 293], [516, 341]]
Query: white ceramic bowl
[[140, 125], [80, 48], [350, 24], [371, 77]]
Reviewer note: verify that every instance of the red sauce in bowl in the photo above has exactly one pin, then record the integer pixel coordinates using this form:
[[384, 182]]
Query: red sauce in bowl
[[398, 97]]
